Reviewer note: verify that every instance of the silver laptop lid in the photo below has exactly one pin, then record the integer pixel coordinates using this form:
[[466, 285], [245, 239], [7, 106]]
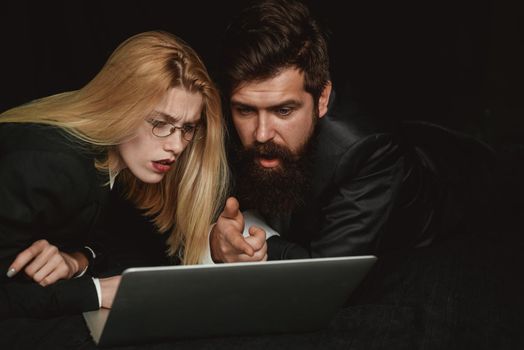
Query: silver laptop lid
[[158, 303]]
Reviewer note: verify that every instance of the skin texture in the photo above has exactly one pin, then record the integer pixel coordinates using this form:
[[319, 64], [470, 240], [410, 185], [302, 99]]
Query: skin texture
[[45, 264], [277, 109], [109, 286], [227, 236], [138, 154]]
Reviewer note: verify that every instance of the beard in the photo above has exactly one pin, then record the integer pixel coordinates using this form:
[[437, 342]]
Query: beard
[[277, 191]]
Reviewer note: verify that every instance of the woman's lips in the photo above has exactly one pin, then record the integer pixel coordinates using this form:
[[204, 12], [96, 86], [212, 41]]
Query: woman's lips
[[162, 166]]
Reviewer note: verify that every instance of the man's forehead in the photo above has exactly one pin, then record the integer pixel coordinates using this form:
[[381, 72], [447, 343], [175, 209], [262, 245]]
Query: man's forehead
[[287, 79], [286, 86], [265, 99]]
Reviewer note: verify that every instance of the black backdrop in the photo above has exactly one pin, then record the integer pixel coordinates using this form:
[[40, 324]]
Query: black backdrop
[[453, 62], [457, 63]]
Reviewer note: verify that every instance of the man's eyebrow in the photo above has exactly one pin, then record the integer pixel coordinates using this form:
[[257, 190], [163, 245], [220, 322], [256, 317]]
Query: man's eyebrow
[[241, 104], [285, 103]]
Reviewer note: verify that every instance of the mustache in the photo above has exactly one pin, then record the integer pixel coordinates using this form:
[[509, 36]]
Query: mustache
[[268, 150]]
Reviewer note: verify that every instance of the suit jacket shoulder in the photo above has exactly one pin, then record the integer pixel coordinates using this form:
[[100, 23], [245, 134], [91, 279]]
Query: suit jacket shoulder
[[49, 185], [347, 141]]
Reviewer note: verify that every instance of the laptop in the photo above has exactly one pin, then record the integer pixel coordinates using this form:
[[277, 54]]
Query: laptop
[[160, 303]]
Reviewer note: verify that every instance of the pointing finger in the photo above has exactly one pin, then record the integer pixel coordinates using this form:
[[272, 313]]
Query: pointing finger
[[231, 209]]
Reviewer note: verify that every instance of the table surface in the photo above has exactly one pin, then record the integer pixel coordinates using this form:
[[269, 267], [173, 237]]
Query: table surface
[[463, 293]]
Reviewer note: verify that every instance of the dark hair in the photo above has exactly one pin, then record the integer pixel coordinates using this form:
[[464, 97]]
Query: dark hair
[[269, 36]]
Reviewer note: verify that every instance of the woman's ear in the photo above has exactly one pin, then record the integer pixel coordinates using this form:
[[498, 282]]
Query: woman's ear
[[323, 101]]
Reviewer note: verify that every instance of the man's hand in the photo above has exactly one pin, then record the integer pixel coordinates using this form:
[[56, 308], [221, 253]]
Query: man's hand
[[257, 240], [226, 241], [108, 288], [45, 264]]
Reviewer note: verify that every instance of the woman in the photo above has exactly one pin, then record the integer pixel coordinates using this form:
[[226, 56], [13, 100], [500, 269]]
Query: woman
[[152, 117]]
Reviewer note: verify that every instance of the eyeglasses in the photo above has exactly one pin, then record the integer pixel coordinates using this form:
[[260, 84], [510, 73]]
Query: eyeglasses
[[164, 129]]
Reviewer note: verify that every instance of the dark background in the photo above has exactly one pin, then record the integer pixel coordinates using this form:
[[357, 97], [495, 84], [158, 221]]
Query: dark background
[[458, 63]]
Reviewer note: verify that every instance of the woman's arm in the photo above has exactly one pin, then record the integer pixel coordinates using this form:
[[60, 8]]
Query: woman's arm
[[45, 195]]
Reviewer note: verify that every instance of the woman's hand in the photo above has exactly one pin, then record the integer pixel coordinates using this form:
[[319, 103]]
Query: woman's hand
[[45, 264], [108, 288]]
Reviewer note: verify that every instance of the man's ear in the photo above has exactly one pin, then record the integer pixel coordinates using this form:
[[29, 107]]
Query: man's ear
[[323, 101]]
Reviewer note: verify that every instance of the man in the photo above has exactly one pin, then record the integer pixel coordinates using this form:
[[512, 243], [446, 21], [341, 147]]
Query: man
[[329, 181]]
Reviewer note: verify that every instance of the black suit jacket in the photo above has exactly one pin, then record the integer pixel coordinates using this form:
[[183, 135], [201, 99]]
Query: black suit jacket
[[49, 189], [371, 192]]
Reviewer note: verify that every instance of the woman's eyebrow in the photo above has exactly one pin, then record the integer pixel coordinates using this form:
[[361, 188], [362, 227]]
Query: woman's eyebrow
[[171, 119], [168, 117]]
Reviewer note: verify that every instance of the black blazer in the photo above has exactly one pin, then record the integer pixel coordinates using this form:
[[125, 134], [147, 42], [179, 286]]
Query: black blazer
[[371, 192], [49, 189]]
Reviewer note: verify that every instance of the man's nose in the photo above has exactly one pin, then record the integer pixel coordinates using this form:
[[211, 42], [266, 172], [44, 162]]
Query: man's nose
[[265, 130]]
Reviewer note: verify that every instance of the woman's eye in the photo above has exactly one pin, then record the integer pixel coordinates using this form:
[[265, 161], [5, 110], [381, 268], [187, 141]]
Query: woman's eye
[[159, 123], [188, 128]]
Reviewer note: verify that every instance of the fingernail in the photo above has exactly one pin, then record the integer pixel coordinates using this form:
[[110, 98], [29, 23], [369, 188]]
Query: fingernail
[[11, 272]]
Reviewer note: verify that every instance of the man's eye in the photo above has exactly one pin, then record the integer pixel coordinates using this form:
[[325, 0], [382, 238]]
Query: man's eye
[[284, 111], [244, 110]]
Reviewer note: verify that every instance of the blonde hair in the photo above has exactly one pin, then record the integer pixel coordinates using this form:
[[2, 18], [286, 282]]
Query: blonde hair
[[111, 107]]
